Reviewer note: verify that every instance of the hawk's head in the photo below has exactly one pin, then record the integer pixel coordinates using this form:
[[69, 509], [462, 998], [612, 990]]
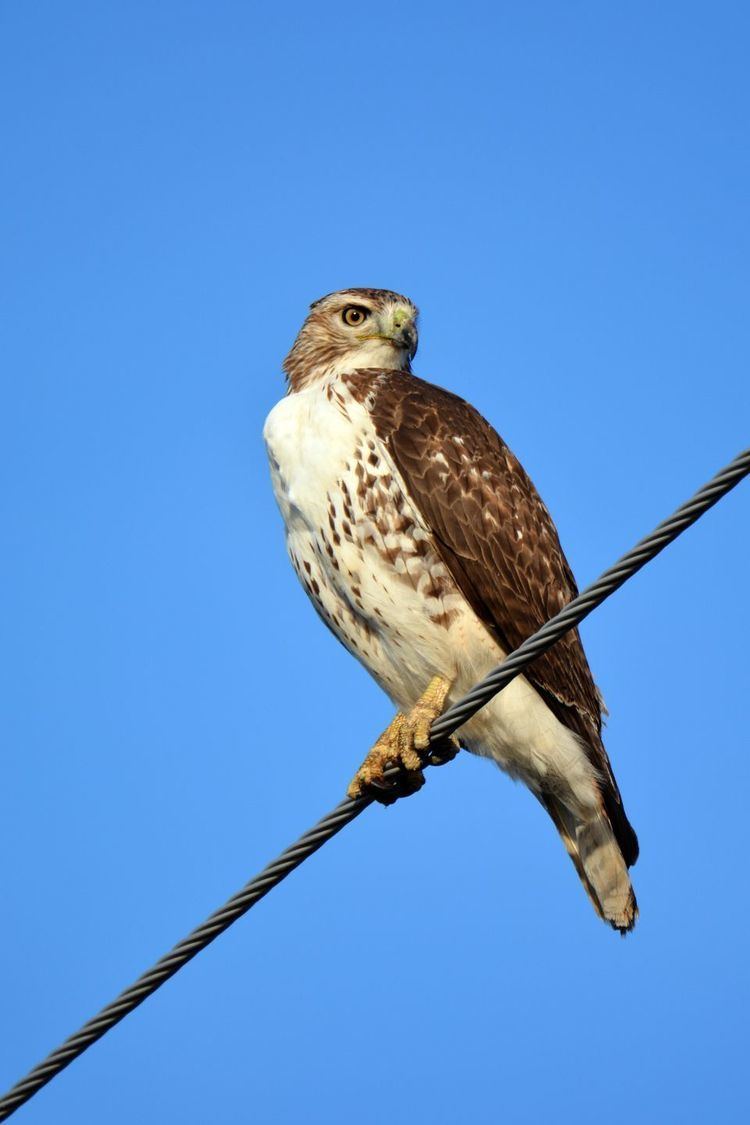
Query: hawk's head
[[352, 329]]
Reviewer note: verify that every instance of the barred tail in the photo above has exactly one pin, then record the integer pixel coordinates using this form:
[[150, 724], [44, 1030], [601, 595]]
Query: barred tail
[[597, 857]]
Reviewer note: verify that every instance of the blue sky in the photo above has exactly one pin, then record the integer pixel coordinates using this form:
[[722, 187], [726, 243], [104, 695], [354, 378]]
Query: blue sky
[[563, 189]]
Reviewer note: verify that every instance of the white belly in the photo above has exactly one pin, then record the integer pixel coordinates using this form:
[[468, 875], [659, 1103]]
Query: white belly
[[366, 559]]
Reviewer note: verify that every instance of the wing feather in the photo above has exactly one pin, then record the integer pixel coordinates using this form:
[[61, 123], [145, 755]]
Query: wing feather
[[498, 540]]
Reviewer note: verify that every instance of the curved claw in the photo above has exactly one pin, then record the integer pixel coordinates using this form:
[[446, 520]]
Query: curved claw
[[443, 751]]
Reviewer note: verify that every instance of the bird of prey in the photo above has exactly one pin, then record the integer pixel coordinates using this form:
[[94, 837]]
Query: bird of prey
[[428, 552]]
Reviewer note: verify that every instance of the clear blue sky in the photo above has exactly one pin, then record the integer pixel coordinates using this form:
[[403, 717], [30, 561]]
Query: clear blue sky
[[563, 189]]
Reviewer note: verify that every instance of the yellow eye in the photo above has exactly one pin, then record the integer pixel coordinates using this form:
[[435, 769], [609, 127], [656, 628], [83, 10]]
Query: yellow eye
[[354, 315]]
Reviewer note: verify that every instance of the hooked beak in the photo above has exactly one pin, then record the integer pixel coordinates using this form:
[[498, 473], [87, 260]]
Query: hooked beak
[[404, 332], [401, 332], [405, 337]]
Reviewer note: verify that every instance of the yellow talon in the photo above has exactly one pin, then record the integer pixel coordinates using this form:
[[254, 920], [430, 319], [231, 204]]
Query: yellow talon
[[400, 745]]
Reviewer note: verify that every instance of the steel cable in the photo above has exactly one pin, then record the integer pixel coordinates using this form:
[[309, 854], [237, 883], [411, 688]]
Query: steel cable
[[349, 809]]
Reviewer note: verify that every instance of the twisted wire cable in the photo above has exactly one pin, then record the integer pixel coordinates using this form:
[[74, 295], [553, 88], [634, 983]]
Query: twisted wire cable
[[349, 809], [593, 596]]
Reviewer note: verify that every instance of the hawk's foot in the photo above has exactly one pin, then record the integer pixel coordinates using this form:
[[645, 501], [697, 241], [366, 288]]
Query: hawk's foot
[[404, 744]]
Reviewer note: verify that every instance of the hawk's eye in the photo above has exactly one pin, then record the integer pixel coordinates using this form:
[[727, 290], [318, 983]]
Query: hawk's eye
[[354, 315]]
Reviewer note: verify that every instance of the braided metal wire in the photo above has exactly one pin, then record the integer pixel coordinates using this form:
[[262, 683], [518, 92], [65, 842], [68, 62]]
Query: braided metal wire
[[593, 595], [349, 809], [183, 952]]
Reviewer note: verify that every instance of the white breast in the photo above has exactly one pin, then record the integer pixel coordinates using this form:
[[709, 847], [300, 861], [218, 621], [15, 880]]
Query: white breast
[[358, 546], [309, 442]]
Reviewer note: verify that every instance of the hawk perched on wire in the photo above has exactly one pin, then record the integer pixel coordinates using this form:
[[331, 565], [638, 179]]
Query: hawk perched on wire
[[426, 549]]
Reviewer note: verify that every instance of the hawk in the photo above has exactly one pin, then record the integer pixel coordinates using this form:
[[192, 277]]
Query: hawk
[[426, 549]]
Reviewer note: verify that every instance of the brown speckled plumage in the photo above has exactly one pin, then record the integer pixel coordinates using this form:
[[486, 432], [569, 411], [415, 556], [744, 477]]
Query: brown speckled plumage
[[498, 541]]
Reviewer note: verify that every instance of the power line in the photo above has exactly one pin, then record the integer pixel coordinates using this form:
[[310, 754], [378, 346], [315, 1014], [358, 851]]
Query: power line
[[349, 809]]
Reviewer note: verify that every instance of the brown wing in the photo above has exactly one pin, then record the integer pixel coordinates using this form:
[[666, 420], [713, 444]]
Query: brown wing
[[499, 542]]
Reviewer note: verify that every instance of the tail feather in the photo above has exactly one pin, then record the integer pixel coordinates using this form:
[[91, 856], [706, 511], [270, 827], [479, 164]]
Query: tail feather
[[598, 858]]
